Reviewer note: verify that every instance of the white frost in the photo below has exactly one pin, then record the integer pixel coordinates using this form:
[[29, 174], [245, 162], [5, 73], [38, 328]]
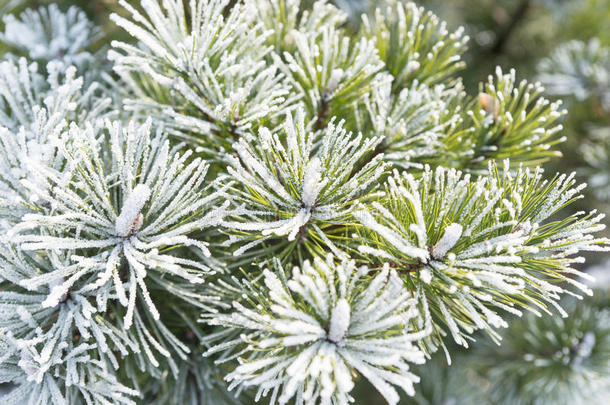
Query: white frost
[[339, 321], [311, 182], [452, 234], [130, 218], [333, 81]]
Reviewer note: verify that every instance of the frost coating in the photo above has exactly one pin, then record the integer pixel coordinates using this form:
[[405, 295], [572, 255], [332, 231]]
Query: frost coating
[[332, 321], [452, 234], [114, 242], [339, 321], [215, 66], [34, 111], [130, 219], [491, 249], [170, 190], [311, 182], [294, 191], [48, 34]]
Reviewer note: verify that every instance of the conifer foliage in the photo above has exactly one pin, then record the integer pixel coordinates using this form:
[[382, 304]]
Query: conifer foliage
[[253, 202]]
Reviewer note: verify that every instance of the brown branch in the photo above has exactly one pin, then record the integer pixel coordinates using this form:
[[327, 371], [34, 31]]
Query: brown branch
[[322, 114]]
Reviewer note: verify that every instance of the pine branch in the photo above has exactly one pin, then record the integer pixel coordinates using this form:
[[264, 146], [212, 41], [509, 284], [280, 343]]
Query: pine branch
[[508, 120], [414, 44], [307, 333], [213, 67], [293, 189], [47, 34], [481, 247]]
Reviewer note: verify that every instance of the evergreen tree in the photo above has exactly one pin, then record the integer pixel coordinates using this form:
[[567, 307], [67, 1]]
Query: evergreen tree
[[257, 201]]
